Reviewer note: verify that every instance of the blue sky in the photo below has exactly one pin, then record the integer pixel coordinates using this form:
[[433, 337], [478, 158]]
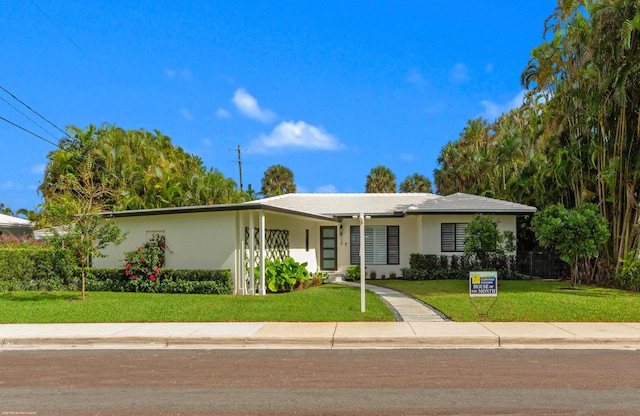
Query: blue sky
[[329, 89]]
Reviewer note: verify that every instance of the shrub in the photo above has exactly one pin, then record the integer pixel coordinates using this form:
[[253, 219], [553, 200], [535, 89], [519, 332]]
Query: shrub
[[217, 282], [432, 267], [284, 276], [34, 265], [143, 264], [629, 275], [353, 272]]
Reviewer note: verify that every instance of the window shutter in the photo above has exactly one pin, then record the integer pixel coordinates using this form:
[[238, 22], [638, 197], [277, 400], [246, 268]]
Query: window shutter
[[460, 234], [393, 244], [355, 244], [448, 237]]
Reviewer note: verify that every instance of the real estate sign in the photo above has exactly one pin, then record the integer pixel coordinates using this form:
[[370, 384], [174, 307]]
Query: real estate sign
[[483, 283]]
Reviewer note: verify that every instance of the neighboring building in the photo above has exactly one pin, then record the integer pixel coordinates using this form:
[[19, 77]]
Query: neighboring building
[[18, 227], [319, 229]]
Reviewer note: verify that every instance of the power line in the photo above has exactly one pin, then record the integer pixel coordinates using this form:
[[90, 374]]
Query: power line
[[57, 27], [34, 111], [30, 132], [28, 118]]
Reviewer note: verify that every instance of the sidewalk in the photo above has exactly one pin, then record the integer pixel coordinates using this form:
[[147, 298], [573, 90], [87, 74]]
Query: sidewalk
[[419, 326], [325, 335]]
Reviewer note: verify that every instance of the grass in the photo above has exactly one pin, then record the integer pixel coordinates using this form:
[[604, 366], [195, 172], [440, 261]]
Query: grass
[[525, 301], [327, 303]]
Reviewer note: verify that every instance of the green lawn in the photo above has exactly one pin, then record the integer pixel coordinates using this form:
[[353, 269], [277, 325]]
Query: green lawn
[[525, 301], [325, 303]]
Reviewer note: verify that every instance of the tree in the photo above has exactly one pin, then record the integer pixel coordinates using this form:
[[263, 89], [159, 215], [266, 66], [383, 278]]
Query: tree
[[140, 169], [277, 180], [575, 233], [484, 239], [416, 183], [74, 212], [380, 180]]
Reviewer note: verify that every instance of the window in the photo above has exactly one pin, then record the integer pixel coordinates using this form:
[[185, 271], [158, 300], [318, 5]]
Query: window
[[381, 246], [452, 236]]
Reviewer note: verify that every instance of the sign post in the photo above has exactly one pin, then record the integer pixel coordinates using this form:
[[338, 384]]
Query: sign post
[[483, 284]]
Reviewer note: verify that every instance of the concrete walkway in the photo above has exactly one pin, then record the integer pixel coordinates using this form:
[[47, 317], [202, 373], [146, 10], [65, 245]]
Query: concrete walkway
[[405, 307]]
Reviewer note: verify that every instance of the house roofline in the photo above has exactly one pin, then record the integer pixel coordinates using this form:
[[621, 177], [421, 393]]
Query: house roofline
[[247, 206]]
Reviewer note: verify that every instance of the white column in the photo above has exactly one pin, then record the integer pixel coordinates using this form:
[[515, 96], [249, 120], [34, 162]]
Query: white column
[[263, 289], [241, 288], [252, 256], [362, 265]]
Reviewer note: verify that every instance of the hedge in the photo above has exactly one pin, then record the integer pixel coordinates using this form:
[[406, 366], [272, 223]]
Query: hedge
[[37, 268], [168, 281], [434, 267]]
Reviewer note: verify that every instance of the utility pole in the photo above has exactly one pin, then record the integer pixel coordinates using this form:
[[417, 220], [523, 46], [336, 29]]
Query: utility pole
[[240, 166]]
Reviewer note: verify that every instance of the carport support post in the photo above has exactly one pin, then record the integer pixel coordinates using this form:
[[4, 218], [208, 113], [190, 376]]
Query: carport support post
[[263, 289], [362, 265], [252, 255]]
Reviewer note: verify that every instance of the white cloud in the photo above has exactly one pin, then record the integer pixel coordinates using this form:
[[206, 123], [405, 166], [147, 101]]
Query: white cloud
[[493, 110], [291, 136], [415, 77], [222, 113], [407, 157], [182, 74], [11, 186], [326, 189], [459, 74], [248, 105], [37, 169], [186, 114]]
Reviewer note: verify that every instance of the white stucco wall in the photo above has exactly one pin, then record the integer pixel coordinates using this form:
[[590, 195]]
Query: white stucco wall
[[202, 240], [431, 229], [409, 242]]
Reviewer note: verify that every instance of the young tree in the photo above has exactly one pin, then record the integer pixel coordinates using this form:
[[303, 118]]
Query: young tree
[[380, 180], [75, 209], [484, 239], [277, 180], [575, 233], [416, 183]]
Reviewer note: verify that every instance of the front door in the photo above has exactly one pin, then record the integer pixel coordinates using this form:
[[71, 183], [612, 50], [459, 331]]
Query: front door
[[328, 248]]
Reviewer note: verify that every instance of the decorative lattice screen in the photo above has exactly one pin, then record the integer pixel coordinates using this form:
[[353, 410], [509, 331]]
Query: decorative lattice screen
[[276, 244]]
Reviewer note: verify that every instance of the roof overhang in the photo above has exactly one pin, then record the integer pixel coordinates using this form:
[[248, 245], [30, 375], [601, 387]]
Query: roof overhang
[[247, 206]]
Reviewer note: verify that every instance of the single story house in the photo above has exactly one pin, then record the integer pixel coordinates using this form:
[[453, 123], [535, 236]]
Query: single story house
[[15, 226], [320, 229]]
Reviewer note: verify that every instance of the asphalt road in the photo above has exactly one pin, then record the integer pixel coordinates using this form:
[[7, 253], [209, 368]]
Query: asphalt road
[[320, 382]]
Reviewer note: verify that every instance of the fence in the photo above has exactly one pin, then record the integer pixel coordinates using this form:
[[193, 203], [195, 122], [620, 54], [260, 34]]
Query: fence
[[545, 265]]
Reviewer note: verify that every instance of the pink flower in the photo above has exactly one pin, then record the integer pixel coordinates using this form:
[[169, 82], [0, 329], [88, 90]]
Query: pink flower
[[142, 259], [133, 277], [127, 272], [152, 278]]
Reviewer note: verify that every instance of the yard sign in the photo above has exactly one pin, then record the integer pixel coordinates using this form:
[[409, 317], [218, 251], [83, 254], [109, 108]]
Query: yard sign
[[483, 284]]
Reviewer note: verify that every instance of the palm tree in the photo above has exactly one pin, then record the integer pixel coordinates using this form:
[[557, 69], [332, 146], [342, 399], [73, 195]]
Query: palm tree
[[380, 180], [416, 183], [277, 180]]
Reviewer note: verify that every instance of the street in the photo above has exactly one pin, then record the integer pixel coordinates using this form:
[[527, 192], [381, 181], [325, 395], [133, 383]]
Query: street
[[320, 382]]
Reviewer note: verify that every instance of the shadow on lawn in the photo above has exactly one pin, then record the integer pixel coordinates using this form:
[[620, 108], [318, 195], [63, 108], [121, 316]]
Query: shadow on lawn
[[38, 296]]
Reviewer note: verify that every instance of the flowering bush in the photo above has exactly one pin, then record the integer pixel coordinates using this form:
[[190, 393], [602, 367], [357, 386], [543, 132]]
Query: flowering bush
[[143, 264]]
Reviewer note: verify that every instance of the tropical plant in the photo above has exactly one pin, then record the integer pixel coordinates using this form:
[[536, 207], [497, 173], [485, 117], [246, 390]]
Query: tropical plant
[[277, 180], [416, 183], [284, 276], [380, 180], [576, 234], [484, 240], [140, 169]]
